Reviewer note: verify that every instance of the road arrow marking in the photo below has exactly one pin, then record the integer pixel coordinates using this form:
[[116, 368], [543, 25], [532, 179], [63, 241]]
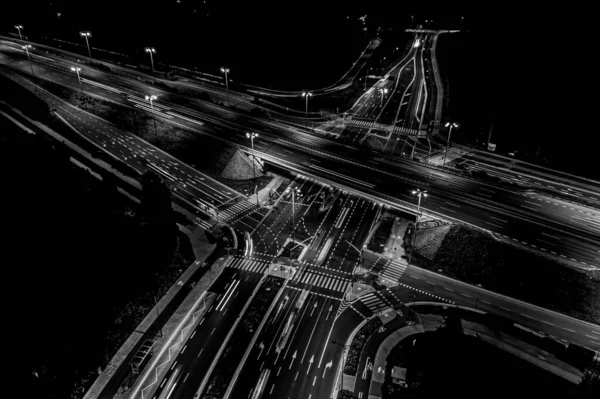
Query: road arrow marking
[[329, 311], [327, 366], [261, 346], [313, 309], [293, 357], [310, 362]]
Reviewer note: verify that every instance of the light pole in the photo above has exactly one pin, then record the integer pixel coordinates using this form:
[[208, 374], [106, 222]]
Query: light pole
[[152, 98], [87, 34], [420, 193], [251, 136], [152, 50], [451, 125], [344, 350], [226, 71], [26, 48], [77, 69], [294, 191], [306, 94], [19, 27], [382, 91]]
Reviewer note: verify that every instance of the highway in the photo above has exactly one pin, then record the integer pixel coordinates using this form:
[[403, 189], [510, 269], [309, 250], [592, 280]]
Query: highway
[[567, 231], [506, 211]]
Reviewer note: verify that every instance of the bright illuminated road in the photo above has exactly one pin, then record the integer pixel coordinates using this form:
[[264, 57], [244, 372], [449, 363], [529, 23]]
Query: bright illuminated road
[[552, 226], [571, 234]]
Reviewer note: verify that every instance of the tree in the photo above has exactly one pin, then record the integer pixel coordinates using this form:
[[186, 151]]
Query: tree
[[589, 387], [452, 326], [158, 221]]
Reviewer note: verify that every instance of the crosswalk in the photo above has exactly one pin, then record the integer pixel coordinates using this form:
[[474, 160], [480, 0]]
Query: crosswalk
[[321, 280], [375, 303], [226, 215], [304, 280], [250, 264], [236, 210], [393, 270], [370, 124]]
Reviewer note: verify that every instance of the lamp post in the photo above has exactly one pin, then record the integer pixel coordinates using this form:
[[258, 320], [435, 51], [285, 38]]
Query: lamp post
[[451, 125], [19, 27], [26, 48], [152, 98], [251, 136], [344, 350], [420, 193], [151, 50], [294, 191], [77, 69], [87, 34], [306, 94], [382, 91], [226, 71]]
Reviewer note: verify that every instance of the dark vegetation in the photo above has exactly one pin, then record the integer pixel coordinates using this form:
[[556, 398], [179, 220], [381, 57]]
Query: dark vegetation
[[447, 363], [89, 264], [476, 258], [357, 344]]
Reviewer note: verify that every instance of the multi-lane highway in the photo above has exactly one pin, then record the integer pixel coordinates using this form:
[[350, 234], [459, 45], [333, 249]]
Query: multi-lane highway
[[509, 211], [303, 364]]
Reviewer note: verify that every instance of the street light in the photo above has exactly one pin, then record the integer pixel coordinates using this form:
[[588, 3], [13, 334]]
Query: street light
[[382, 91], [306, 94], [420, 193], [251, 136], [77, 69], [87, 34], [152, 98], [19, 27], [152, 50], [26, 48], [344, 350], [226, 71], [451, 125], [294, 191]]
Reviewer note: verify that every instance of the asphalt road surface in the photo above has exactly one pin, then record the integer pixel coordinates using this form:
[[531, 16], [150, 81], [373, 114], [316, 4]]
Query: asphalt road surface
[[576, 229]]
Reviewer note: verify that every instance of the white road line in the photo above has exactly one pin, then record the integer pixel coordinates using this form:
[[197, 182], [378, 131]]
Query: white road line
[[502, 220], [526, 315], [589, 336], [528, 207], [548, 235], [568, 329], [451, 204], [446, 209]]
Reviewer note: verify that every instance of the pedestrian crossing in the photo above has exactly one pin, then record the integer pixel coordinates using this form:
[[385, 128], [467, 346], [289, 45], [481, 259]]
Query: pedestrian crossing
[[393, 270], [321, 280], [375, 303], [250, 264], [236, 210], [370, 124]]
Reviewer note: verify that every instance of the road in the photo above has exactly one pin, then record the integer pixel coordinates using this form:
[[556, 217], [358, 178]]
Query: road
[[324, 277], [329, 258], [482, 204]]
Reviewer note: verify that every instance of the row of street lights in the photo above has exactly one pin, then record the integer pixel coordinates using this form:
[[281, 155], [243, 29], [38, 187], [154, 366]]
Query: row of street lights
[[149, 50]]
